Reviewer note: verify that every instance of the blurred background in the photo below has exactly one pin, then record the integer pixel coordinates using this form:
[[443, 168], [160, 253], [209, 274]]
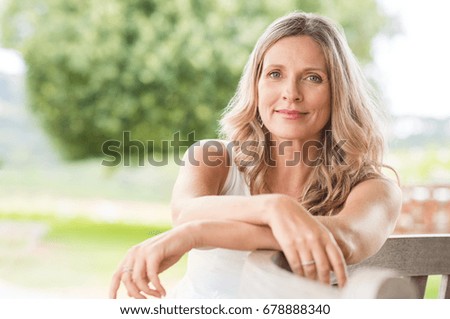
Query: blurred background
[[77, 73]]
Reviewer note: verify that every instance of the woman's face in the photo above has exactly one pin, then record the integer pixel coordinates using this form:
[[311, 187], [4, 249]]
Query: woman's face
[[294, 90]]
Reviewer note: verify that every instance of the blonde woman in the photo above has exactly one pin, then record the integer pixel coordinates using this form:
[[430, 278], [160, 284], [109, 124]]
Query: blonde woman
[[299, 171]]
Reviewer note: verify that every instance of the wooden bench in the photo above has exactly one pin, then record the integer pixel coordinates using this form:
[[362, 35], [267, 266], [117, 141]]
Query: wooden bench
[[416, 257], [399, 270]]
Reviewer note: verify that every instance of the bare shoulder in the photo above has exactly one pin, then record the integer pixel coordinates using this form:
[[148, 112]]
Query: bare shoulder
[[376, 193], [209, 154], [203, 172], [207, 160], [378, 187]]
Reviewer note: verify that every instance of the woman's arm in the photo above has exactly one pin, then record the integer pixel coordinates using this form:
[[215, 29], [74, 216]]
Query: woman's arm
[[144, 262], [231, 234], [367, 219], [200, 181]]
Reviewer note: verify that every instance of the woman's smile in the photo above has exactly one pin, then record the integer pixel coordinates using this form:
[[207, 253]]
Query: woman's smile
[[291, 114]]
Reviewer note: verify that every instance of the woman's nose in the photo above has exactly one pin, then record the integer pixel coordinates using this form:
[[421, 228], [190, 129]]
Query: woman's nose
[[292, 92]]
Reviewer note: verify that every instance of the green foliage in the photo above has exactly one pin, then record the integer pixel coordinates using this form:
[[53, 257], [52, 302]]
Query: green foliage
[[425, 165], [151, 67]]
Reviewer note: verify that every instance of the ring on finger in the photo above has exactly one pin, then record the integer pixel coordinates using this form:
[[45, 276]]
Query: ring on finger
[[127, 269], [308, 263]]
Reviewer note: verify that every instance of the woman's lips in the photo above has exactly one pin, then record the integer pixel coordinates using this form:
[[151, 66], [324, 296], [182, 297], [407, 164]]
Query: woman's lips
[[291, 114]]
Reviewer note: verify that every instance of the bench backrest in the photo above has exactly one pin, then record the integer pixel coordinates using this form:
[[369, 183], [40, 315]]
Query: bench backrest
[[417, 257]]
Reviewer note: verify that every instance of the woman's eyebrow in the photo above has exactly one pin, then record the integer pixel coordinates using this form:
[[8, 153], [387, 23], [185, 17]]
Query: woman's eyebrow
[[307, 69], [316, 69], [274, 66]]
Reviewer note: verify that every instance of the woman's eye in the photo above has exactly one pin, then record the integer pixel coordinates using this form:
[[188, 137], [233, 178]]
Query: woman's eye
[[314, 78], [275, 74]]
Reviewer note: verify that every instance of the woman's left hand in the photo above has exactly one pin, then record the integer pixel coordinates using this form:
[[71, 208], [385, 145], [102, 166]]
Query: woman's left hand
[[139, 271], [309, 247]]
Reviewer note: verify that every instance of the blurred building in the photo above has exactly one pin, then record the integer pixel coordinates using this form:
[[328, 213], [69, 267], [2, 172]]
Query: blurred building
[[426, 209]]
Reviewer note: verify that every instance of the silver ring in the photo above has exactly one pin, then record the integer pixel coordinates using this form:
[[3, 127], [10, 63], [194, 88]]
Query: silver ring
[[127, 269], [308, 263]]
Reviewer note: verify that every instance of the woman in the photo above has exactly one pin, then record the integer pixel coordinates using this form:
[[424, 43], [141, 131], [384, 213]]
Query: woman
[[301, 175]]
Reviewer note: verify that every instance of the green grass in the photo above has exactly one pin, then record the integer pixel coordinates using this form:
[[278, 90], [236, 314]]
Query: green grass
[[432, 289], [78, 255]]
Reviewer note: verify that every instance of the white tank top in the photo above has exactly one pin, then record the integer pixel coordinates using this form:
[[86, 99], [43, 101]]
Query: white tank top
[[215, 273]]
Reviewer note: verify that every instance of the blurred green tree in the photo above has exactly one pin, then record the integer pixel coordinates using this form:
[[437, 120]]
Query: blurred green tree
[[150, 67]]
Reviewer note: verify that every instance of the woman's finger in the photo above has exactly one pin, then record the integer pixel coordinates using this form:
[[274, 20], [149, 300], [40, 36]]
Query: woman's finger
[[337, 263], [132, 289], [141, 279], [152, 275], [117, 279], [308, 264], [322, 263], [293, 259], [157, 284], [115, 284]]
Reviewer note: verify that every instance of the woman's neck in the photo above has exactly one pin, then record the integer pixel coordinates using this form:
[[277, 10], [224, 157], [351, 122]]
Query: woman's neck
[[291, 164]]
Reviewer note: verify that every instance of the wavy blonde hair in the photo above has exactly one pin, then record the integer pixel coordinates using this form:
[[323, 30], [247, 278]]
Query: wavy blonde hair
[[353, 118]]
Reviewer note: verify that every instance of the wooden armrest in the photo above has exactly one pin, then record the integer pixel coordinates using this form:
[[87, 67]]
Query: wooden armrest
[[265, 277], [416, 257]]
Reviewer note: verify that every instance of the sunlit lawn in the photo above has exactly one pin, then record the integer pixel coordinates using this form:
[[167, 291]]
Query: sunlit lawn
[[432, 289], [75, 258]]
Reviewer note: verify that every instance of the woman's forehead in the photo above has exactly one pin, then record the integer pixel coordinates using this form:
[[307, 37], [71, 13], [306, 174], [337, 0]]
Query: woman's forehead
[[295, 51]]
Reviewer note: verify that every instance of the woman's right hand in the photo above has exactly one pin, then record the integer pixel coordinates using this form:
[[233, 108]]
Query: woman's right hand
[[139, 270], [309, 247]]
